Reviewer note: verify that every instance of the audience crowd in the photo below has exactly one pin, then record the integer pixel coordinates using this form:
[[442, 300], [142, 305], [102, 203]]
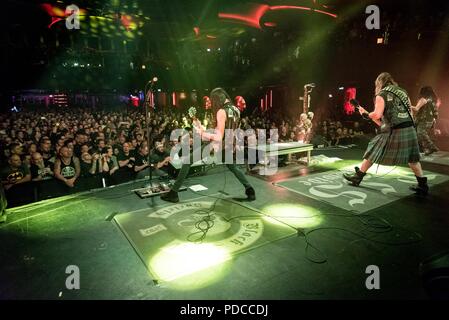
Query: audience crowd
[[51, 153]]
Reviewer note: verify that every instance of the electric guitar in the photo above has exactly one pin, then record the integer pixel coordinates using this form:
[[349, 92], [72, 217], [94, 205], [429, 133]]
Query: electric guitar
[[192, 112]]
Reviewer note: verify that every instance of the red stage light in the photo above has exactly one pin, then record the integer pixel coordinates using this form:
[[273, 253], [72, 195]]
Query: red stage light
[[240, 103], [253, 17], [197, 31], [270, 24], [350, 93]]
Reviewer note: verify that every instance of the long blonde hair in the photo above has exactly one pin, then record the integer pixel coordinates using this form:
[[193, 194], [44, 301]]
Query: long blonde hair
[[384, 79]]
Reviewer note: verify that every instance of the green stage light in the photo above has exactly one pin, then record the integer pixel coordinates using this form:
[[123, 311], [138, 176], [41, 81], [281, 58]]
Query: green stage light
[[93, 23], [295, 215], [201, 279], [180, 259], [41, 204], [129, 34]]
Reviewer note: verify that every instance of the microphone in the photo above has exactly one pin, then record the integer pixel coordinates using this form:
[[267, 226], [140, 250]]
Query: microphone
[[151, 83], [312, 85]]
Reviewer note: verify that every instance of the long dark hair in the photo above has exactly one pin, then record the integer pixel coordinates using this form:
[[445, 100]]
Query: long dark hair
[[428, 93], [218, 97], [106, 149]]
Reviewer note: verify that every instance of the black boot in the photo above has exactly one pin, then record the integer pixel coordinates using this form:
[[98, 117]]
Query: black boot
[[250, 194], [356, 178], [422, 188], [171, 196]]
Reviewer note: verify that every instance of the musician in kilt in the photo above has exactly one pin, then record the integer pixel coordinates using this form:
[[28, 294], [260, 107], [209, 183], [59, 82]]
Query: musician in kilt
[[397, 142]]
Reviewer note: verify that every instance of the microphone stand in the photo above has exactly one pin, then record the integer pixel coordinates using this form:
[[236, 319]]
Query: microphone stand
[[147, 116]]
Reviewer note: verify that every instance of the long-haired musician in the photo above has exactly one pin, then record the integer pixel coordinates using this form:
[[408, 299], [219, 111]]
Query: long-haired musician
[[227, 116], [397, 142], [426, 114]]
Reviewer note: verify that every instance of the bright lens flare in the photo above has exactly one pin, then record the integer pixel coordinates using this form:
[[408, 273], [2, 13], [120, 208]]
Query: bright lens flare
[[295, 215], [180, 259]]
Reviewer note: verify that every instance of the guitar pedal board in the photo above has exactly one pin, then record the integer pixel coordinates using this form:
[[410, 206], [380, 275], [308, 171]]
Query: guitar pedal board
[[156, 188]]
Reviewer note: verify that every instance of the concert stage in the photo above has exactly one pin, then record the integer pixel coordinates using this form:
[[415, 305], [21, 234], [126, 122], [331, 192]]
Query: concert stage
[[285, 245]]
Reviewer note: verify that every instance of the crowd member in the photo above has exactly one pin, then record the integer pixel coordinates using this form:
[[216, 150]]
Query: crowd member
[[67, 167], [126, 157], [17, 149], [108, 161], [15, 173], [100, 145], [160, 158], [142, 165], [40, 171], [89, 164], [46, 150]]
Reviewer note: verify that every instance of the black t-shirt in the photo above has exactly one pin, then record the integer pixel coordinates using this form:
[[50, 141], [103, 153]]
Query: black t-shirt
[[140, 160], [44, 172], [117, 149], [77, 150], [12, 175], [284, 137], [157, 156], [85, 168], [68, 171], [123, 157], [47, 157]]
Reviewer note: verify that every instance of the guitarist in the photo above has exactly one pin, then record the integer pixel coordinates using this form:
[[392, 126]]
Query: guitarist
[[397, 142], [227, 116], [426, 114]]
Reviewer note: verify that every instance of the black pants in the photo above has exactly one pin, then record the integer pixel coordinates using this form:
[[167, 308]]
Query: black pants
[[185, 168], [424, 130]]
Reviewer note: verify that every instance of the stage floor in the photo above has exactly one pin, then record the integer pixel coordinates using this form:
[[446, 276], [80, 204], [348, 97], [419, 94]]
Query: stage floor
[[324, 258]]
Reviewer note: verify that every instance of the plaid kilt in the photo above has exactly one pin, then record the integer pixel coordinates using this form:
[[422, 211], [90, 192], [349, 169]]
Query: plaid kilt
[[396, 148]]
